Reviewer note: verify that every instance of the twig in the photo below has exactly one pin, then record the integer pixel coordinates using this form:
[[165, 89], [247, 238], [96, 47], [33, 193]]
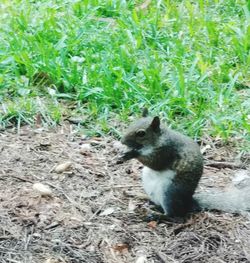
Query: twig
[[6, 237], [122, 186], [67, 197], [53, 225], [20, 178], [162, 258], [97, 211], [221, 165], [12, 260]]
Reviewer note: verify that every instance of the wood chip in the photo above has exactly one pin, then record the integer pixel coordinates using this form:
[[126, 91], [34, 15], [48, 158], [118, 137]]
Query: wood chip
[[121, 248], [108, 211], [63, 167]]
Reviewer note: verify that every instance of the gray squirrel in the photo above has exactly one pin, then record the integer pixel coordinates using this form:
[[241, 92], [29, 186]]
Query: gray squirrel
[[173, 166]]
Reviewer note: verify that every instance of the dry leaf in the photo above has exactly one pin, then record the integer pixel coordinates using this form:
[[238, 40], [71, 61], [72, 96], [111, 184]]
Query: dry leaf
[[38, 120], [107, 211], [121, 248], [152, 224], [63, 167], [42, 189]]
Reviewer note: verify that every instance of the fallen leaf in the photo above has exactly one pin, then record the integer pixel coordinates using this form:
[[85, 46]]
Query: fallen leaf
[[42, 189], [38, 120], [121, 248], [63, 167], [152, 224]]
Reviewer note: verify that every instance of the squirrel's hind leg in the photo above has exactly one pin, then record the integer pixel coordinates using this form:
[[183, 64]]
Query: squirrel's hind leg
[[177, 201], [159, 217], [155, 207]]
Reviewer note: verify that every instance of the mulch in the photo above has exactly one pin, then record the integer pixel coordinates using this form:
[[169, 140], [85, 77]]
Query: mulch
[[97, 210]]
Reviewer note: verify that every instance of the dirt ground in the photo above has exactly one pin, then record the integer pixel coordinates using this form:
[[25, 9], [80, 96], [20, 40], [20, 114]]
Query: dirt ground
[[96, 209]]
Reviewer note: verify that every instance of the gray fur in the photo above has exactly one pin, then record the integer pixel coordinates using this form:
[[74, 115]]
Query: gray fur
[[173, 168], [161, 149], [231, 200]]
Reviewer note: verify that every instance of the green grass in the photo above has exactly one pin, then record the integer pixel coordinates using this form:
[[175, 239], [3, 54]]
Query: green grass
[[188, 61]]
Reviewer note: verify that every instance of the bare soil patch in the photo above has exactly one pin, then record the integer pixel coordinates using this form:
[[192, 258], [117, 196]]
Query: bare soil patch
[[96, 211]]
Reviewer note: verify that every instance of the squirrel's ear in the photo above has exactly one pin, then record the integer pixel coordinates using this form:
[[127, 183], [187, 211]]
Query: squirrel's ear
[[145, 112], [155, 124]]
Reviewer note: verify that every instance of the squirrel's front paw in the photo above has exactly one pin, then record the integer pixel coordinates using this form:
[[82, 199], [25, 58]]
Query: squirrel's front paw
[[127, 156], [120, 159]]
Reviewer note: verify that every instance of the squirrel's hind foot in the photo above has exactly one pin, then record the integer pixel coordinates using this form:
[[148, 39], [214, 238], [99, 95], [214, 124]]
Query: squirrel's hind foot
[[162, 218]]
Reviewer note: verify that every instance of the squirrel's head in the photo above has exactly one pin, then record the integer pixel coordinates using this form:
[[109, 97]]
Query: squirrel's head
[[143, 132]]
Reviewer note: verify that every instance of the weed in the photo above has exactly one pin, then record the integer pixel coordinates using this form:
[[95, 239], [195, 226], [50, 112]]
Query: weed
[[187, 61]]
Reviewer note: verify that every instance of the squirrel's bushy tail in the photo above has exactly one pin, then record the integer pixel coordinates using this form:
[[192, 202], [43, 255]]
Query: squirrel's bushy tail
[[232, 200]]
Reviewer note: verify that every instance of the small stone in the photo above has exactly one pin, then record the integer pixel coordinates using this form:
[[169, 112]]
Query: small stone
[[85, 148], [141, 259], [42, 189], [60, 168]]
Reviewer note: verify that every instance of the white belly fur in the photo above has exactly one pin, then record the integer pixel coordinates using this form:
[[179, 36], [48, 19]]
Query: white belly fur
[[155, 183]]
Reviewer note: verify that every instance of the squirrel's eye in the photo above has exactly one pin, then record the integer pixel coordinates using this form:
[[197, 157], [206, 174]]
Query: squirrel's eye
[[141, 133]]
